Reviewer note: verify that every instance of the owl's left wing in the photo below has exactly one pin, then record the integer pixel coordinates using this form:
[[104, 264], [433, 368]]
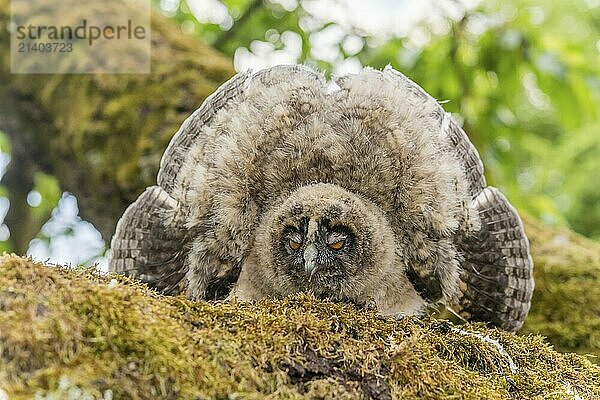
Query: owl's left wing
[[466, 153], [497, 271]]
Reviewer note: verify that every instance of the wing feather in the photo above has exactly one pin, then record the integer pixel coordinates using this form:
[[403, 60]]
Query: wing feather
[[466, 152], [190, 130]]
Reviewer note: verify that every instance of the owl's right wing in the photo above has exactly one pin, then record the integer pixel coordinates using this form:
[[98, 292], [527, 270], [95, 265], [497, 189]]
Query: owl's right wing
[[151, 242], [192, 127], [229, 93]]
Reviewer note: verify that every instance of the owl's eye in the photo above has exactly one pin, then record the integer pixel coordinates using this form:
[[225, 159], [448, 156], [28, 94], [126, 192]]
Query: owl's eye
[[337, 245], [294, 245]]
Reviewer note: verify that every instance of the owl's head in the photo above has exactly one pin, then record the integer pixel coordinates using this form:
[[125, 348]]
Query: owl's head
[[323, 239]]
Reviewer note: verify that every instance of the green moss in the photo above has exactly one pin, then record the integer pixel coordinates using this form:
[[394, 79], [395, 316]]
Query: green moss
[[73, 330], [566, 301]]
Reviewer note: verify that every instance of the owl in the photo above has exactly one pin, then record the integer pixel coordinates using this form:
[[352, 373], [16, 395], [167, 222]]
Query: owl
[[360, 190]]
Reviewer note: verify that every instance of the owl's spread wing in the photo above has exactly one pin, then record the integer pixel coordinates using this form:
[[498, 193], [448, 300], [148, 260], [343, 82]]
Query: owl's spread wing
[[465, 151], [497, 272], [230, 92], [149, 242], [496, 280], [190, 130]]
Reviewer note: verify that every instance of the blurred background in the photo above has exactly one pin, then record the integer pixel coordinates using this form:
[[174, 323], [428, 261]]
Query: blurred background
[[522, 77]]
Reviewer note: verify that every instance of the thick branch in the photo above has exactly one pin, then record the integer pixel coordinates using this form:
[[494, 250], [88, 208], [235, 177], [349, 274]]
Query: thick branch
[[102, 136]]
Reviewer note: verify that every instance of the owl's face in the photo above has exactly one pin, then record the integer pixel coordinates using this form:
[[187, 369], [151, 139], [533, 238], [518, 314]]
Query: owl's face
[[325, 240], [318, 253]]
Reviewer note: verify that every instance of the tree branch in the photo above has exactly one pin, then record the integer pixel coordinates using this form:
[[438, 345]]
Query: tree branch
[[103, 135]]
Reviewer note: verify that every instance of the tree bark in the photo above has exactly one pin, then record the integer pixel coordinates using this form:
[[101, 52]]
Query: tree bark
[[101, 135]]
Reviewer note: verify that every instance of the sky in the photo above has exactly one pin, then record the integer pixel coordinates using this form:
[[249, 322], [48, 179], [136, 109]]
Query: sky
[[74, 241]]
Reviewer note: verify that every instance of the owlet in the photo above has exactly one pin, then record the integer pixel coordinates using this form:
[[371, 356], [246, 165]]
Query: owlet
[[360, 190]]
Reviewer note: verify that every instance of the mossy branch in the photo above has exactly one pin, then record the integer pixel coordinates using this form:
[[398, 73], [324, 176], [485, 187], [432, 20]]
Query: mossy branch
[[103, 135], [68, 331]]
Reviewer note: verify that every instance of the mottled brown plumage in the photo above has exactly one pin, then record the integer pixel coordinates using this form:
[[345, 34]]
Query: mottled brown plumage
[[362, 191]]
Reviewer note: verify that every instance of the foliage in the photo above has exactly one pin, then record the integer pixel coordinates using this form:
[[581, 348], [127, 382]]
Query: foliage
[[49, 192], [521, 75], [68, 333]]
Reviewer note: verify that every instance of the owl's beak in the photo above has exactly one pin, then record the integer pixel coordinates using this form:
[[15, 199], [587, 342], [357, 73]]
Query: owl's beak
[[310, 254]]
